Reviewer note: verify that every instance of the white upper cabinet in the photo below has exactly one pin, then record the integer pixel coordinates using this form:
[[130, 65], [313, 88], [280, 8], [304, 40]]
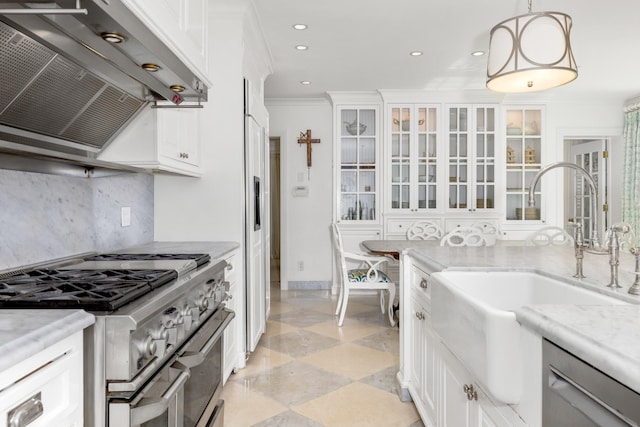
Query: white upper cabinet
[[471, 157], [181, 25], [412, 135], [160, 140]]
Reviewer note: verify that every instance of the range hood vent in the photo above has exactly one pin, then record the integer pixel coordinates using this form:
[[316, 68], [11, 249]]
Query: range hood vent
[[64, 89]]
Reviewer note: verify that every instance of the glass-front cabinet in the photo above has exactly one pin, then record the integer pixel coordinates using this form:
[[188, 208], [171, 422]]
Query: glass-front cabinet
[[358, 163], [413, 139], [471, 157], [523, 128]]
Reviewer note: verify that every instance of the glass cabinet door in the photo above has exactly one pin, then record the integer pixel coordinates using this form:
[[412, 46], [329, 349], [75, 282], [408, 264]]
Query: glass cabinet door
[[458, 157], [524, 149], [357, 164], [485, 157], [471, 157], [426, 157], [413, 138], [401, 157]]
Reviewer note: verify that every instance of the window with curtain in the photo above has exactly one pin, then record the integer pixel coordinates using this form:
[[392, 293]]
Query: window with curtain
[[631, 180]]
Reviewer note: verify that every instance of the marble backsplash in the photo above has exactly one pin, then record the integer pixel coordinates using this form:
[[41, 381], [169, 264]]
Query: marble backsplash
[[50, 216]]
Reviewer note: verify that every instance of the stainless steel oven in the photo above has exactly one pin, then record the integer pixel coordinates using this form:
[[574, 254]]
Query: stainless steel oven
[[153, 357], [185, 391]]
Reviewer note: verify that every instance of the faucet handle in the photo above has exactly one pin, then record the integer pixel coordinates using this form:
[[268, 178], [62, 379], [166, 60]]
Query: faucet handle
[[624, 234], [578, 237]]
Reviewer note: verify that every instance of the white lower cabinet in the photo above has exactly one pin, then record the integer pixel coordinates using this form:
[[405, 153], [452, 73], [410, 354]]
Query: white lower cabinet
[[444, 392], [45, 389], [233, 352]]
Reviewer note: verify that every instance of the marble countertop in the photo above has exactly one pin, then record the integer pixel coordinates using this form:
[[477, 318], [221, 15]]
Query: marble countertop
[[607, 337], [24, 333]]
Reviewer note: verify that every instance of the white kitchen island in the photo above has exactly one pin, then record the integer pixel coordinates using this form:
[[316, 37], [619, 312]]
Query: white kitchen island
[[607, 337]]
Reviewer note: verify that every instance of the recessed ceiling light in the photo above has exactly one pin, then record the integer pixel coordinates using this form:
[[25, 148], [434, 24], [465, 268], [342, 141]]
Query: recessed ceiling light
[[477, 53], [415, 53], [302, 47], [305, 82], [300, 26]]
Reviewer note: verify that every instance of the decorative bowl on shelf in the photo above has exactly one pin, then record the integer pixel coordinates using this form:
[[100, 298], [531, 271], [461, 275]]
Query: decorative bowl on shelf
[[355, 128]]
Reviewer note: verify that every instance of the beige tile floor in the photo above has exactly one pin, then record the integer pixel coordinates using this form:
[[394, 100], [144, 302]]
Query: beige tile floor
[[308, 372]]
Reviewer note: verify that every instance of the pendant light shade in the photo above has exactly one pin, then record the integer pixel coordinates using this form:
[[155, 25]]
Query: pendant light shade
[[530, 53]]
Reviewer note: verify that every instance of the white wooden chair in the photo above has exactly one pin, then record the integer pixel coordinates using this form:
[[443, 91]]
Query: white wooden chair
[[424, 230], [490, 230], [464, 236], [549, 236], [366, 277]]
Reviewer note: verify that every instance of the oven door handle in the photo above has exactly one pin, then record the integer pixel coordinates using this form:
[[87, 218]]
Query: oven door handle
[[151, 408], [192, 359]]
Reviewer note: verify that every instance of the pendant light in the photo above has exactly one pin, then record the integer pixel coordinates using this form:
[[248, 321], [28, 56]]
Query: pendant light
[[531, 52]]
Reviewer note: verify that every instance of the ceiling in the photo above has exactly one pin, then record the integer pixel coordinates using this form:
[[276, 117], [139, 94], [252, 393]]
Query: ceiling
[[363, 45]]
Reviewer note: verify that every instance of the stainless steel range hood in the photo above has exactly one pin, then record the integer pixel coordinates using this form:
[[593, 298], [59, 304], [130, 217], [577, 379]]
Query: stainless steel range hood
[[66, 92]]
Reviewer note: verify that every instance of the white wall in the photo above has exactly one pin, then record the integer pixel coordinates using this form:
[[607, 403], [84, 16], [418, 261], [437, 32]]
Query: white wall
[[305, 220]]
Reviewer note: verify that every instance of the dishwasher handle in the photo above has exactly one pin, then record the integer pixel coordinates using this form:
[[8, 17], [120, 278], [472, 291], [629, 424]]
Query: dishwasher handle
[[589, 405]]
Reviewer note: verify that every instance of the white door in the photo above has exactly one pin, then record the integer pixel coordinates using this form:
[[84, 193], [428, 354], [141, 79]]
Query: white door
[[591, 155], [255, 228]]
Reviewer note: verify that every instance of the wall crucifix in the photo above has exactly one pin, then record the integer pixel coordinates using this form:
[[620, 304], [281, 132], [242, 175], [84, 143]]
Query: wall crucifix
[[305, 138]]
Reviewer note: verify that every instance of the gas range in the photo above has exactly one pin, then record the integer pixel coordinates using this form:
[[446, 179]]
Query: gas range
[[102, 282], [148, 308]]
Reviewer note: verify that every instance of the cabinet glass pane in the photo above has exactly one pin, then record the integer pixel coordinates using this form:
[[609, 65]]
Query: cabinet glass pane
[[405, 197], [367, 123], [395, 145], [406, 152], [395, 173], [348, 182], [395, 120], [349, 151], [367, 151], [349, 124], [395, 196], [367, 182]]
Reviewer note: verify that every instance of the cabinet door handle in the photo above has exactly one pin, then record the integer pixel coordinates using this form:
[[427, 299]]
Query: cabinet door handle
[[25, 413], [424, 284], [472, 394]]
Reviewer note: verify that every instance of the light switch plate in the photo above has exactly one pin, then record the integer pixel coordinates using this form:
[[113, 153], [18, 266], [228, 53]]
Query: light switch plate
[[125, 216]]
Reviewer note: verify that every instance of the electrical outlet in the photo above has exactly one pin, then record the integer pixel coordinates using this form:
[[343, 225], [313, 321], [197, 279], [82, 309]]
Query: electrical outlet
[[300, 265], [125, 216]]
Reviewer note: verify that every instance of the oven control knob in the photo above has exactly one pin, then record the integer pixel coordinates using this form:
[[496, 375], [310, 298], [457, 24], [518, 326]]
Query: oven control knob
[[187, 317], [170, 322], [156, 343], [202, 304], [148, 347]]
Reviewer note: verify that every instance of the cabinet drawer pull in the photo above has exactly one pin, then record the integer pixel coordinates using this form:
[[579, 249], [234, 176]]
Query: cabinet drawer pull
[[419, 315], [424, 284], [25, 413]]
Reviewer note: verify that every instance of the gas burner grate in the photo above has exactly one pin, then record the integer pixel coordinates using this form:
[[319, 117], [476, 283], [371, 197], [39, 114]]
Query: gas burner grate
[[198, 258], [100, 290]]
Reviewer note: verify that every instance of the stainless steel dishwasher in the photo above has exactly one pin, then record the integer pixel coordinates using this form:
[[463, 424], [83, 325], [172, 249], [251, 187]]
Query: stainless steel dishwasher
[[575, 394]]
